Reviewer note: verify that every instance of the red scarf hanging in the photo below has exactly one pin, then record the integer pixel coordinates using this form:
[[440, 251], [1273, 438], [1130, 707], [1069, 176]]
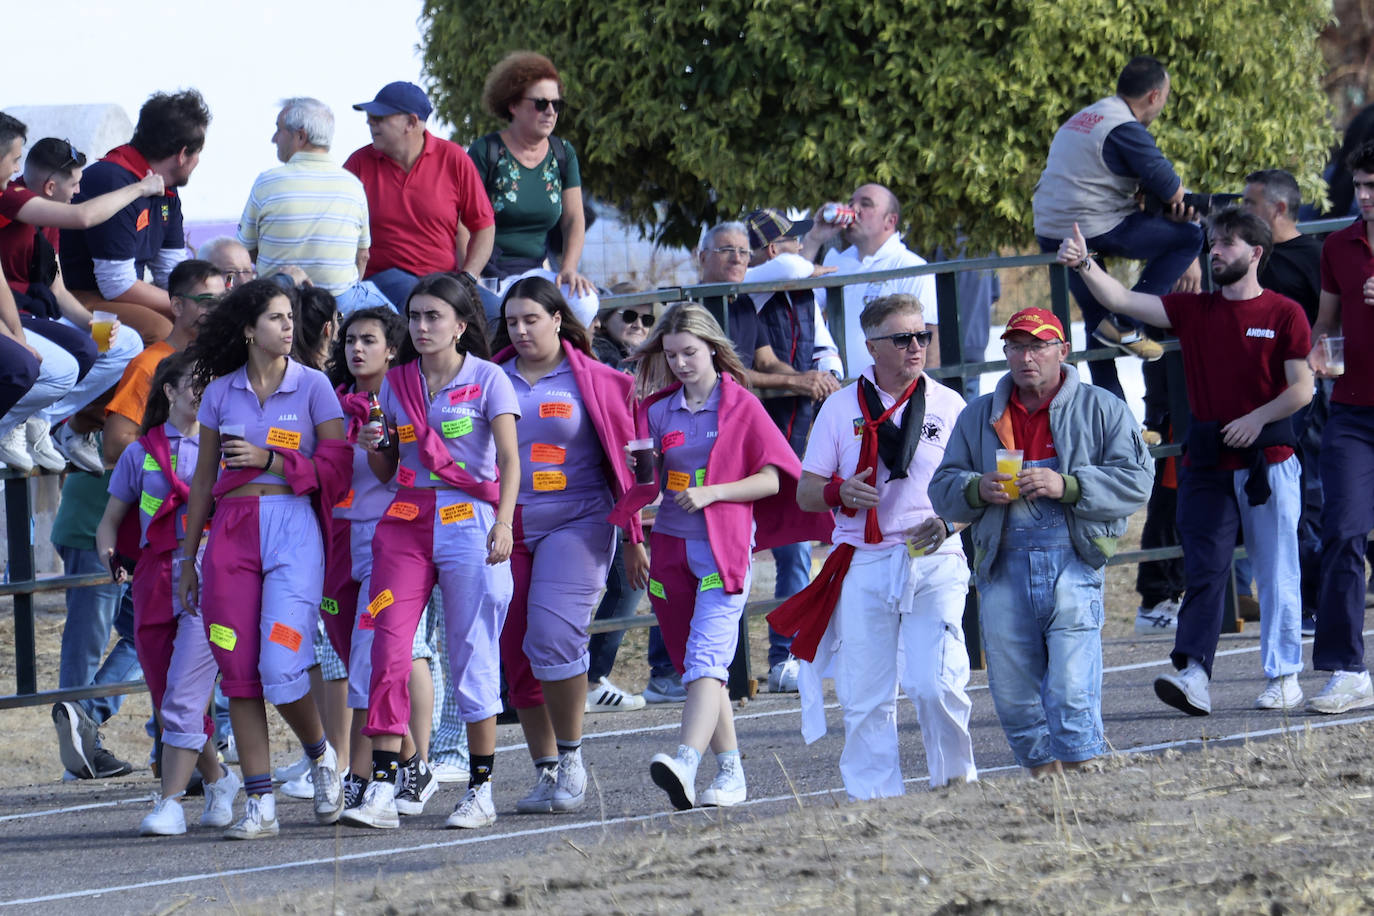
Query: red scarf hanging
[[868, 455]]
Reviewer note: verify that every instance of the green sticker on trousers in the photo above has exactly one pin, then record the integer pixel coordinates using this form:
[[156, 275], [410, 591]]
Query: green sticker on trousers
[[656, 588], [711, 581], [329, 606]]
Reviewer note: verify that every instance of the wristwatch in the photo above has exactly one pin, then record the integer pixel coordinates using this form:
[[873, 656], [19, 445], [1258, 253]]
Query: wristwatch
[[949, 528]]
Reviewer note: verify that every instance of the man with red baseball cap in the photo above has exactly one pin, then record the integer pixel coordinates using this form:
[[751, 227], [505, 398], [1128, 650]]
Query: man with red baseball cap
[[1042, 535]]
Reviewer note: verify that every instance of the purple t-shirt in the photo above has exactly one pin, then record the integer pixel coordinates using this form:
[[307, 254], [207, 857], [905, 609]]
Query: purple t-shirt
[[139, 481], [287, 420], [461, 412], [684, 438], [560, 454]]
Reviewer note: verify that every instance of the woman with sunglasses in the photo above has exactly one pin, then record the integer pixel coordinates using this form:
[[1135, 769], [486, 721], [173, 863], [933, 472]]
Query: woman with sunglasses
[[622, 328], [531, 176]]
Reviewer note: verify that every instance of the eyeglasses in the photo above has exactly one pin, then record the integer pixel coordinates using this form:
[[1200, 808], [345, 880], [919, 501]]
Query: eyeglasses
[[203, 298], [903, 341], [542, 105], [233, 277], [1034, 349], [630, 316], [728, 252]]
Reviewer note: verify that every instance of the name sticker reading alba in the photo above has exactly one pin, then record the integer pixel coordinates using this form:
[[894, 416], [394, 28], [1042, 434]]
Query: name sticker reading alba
[[223, 636], [465, 393], [283, 635], [329, 606], [381, 602], [283, 438], [406, 433], [404, 511], [454, 428], [543, 453], [406, 477], [149, 504], [346, 502], [673, 439], [679, 481], [545, 481], [711, 581], [458, 512], [656, 588], [559, 409]]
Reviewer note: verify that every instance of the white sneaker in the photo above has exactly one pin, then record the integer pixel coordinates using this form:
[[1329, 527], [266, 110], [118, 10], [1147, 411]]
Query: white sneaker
[[782, 677], [572, 782], [677, 776], [81, 449], [1282, 692], [294, 770], [40, 445], [728, 787], [540, 799], [1344, 691], [219, 800], [259, 820], [303, 786], [1186, 690], [607, 697], [166, 819], [475, 810], [449, 772], [328, 782], [1160, 620], [377, 809], [14, 450]]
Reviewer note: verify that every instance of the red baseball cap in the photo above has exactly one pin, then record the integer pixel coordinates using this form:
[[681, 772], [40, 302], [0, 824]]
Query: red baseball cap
[[1036, 322]]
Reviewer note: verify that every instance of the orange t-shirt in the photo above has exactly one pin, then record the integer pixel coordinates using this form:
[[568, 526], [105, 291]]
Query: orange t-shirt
[[131, 395]]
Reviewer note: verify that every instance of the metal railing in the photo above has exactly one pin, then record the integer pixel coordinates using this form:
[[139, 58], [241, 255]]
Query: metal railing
[[953, 371]]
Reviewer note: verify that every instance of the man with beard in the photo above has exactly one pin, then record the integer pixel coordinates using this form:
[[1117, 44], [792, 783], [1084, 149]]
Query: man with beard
[[1245, 359]]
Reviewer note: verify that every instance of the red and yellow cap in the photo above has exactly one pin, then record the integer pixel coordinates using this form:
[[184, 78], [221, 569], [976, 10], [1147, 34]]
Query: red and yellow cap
[[1036, 322]]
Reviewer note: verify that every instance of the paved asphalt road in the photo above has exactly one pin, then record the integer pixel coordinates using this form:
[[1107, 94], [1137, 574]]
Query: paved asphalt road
[[73, 848]]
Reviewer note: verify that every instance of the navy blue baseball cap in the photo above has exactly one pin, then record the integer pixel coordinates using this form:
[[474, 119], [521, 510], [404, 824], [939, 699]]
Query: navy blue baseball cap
[[399, 97]]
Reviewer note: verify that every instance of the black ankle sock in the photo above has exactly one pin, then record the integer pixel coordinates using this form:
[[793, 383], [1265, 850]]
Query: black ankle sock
[[545, 763], [385, 765], [479, 770], [567, 747]]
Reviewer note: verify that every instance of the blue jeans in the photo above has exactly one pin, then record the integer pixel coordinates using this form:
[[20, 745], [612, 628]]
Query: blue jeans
[[362, 295], [1211, 506], [1347, 516], [395, 284], [793, 562], [619, 601], [1166, 247], [91, 613]]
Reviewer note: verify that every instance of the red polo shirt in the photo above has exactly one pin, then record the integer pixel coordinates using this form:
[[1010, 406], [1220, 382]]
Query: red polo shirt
[[414, 215], [16, 238], [1031, 430], [1347, 262]]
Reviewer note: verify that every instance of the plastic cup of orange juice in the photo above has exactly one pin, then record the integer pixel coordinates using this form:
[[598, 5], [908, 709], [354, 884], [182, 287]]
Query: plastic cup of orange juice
[[1009, 462]]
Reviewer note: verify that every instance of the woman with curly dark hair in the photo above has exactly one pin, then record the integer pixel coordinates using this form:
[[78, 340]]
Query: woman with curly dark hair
[[531, 176], [272, 460]]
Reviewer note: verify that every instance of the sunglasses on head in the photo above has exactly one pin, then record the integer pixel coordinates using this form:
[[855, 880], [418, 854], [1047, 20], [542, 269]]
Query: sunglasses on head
[[630, 316], [73, 158], [903, 341], [542, 105]]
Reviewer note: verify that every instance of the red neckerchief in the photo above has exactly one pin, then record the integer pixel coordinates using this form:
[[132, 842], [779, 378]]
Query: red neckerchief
[[131, 160], [868, 455]]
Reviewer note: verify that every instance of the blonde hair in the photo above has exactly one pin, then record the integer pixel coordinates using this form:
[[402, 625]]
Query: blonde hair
[[652, 373]]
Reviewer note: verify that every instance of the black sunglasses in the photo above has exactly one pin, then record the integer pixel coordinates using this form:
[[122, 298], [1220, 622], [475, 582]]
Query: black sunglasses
[[73, 158], [542, 105], [630, 316], [903, 341]]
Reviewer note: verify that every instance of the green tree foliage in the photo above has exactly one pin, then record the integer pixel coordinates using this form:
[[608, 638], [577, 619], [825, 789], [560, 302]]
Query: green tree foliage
[[685, 113]]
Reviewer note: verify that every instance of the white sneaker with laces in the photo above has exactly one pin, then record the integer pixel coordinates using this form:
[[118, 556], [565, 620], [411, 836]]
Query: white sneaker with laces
[[728, 787], [377, 809], [40, 445], [219, 800], [1186, 690], [607, 697], [303, 786], [1159, 620], [782, 677], [540, 798], [677, 776], [14, 450], [328, 782], [294, 770], [572, 782], [259, 820], [81, 449], [475, 810], [449, 772], [166, 819], [1282, 692], [1345, 690]]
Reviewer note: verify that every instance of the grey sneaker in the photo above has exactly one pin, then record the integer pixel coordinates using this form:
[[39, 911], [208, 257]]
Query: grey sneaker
[[329, 799], [1186, 690], [782, 677], [665, 688], [76, 737], [540, 798], [1345, 690], [40, 445], [259, 820], [571, 791], [107, 765], [81, 449]]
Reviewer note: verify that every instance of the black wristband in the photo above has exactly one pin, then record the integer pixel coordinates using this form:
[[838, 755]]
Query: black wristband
[[271, 457]]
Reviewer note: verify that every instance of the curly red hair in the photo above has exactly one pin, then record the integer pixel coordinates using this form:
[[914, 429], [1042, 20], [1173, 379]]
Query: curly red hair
[[508, 80]]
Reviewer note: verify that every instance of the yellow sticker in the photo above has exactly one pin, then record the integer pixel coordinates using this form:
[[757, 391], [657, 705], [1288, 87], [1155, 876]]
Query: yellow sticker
[[329, 606], [149, 504], [455, 428], [679, 481], [656, 588], [711, 581], [283, 438], [545, 481], [223, 636], [381, 603], [406, 433], [150, 463], [458, 512]]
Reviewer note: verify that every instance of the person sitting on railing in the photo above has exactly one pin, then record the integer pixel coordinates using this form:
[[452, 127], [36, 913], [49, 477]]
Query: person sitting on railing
[[870, 232], [1045, 520]]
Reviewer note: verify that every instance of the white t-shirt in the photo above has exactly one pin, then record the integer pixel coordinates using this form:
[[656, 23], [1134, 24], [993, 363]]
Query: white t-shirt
[[825, 357], [892, 255]]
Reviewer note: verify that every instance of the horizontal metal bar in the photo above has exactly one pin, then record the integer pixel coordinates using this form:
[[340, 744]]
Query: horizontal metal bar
[[42, 698]]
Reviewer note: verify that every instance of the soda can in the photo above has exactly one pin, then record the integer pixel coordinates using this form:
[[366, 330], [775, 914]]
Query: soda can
[[838, 214]]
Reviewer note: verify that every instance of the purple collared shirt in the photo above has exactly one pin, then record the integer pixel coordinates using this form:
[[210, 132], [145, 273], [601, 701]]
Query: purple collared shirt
[[684, 438], [139, 481], [560, 454]]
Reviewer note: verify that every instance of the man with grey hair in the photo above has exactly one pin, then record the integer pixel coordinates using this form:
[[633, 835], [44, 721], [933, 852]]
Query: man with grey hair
[[232, 259], [309, 212]]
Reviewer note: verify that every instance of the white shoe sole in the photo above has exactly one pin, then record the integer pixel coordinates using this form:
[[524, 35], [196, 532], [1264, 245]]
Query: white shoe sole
[[713, 799], [1317, 703], [357, 817]]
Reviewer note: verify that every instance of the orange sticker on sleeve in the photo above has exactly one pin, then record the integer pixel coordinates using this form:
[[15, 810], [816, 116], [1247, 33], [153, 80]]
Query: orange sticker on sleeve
[[559, 409], [679, 481], [545, 481], [543, 453], [383, 601], [346, 502], [283, 438], [406, 433], [283, 635], [405, 476], [405, 511], [458, 512]]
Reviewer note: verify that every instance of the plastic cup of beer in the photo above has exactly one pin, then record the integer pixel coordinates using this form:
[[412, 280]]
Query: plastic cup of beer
[[1009, 462], [1333, 354], [642, 450], [102, 326]]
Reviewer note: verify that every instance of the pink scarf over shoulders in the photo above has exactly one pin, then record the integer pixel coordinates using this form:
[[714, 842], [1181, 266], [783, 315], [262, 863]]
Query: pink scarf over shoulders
[[409, 387]]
